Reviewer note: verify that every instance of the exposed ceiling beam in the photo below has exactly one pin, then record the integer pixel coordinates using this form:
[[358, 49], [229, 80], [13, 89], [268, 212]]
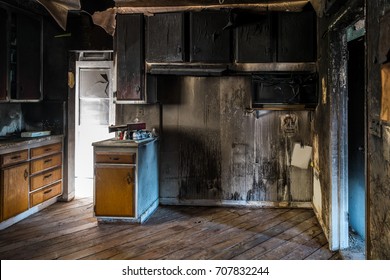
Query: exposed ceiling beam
[[170, 3]]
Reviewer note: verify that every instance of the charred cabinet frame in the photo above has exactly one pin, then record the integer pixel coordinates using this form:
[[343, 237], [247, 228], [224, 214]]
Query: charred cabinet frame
[[165, 37], [20, 55], [130, 65]]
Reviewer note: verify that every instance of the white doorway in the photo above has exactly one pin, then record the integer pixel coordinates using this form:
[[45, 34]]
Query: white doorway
[[94, 112]]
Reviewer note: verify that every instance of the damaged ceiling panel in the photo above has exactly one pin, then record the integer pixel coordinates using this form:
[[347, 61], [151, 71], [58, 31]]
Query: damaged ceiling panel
[[106, 18], [59, 9], [172, 5]]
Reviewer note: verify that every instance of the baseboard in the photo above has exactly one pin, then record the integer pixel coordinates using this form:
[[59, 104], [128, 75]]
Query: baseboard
[[234, 203]]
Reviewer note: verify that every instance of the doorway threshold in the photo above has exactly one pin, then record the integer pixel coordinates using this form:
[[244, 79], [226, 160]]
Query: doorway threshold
[[356, 250]]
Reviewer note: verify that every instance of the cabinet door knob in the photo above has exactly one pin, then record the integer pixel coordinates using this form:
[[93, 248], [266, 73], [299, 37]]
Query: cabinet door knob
[[138, 88], [129, 178], [25, 174]]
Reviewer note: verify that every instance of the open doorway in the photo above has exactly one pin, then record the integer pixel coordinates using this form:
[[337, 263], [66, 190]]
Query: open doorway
[[348, 136], [356, 143], [94, 112]]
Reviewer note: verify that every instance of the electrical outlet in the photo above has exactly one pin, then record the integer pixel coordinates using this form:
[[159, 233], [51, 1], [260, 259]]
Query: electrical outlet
[[140, 111], [376, 128]]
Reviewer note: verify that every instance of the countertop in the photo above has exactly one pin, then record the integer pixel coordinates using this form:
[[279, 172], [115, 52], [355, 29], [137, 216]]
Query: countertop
[[112, 142], [23, 141]]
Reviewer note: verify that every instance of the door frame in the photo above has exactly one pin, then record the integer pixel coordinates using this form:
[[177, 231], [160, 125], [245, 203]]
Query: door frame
[[91, 65], [338, 89], [70, 141]]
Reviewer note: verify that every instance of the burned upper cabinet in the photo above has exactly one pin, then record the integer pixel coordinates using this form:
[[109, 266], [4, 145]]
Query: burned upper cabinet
[[25, 57], [254, 41], [3, 54], [55, 61], [165, 38], [296, 37], [129, 48], [209, 39]]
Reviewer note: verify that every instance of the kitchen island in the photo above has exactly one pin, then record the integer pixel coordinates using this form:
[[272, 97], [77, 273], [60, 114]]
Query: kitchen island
[[125, 180]]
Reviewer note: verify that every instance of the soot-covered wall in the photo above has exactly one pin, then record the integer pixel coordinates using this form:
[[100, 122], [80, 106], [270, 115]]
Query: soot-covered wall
[[327, 119], [213, 151], [378, 47]]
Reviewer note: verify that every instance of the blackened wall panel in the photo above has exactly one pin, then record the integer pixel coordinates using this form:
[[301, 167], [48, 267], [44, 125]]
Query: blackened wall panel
[[212, 149], [378, 235]]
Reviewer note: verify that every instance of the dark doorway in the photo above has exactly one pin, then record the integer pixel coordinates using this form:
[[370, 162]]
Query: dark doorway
[[356, 143]]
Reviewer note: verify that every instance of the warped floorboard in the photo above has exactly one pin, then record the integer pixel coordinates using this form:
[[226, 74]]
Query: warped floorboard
[[69, 231]]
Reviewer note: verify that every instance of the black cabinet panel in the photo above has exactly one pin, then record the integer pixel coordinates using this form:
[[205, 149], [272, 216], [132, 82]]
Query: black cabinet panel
[[296, 37], [254, 42], [165, 38], [29, 58], [55, 62], [209, 41], [129, 44], [3, 54]]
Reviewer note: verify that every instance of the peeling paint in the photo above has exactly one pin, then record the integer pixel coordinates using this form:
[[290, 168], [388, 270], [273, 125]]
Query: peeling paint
[[324, 93]]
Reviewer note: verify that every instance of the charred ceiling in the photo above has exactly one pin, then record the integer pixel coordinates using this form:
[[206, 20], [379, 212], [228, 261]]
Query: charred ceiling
[[103, 11]]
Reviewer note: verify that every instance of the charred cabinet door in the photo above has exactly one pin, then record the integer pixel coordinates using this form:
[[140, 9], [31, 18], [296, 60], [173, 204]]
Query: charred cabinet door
[[209, 40], [129, 48], [3, 54], [165, 38], [254, 42], [26, 56], [296, 37], [114, 190]]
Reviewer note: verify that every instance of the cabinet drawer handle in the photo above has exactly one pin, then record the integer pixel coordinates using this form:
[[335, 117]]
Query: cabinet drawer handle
[[114, 158], [48, 160], [47, 149], [47, 176], [25, 174], [46, 192], [16, 157]]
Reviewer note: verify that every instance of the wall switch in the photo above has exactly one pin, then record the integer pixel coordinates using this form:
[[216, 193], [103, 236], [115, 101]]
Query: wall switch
[[140, 111]]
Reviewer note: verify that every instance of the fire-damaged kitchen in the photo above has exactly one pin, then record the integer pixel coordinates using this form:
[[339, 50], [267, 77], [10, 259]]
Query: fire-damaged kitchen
[[201, 129]]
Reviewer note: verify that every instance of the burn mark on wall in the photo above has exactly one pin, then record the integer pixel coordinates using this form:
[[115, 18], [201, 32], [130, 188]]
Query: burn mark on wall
[[11, 119], [199, 164], [211, 148]]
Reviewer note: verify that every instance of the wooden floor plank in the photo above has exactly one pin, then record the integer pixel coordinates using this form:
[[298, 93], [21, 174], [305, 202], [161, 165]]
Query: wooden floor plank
[[70, 231], [216, 228], [272, 233]]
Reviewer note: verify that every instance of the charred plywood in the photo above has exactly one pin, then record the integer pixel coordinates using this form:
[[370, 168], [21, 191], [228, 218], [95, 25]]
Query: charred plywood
[[378, 234], [213, 149]]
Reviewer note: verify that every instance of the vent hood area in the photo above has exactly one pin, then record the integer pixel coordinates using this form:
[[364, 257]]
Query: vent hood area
[[206, 69], [285, 91], [188, 69]]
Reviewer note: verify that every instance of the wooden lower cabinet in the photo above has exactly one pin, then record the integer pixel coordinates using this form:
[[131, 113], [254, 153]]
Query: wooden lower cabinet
[[125, 180], [14, 190], [45, 194], [114, 190], [30, 174]]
